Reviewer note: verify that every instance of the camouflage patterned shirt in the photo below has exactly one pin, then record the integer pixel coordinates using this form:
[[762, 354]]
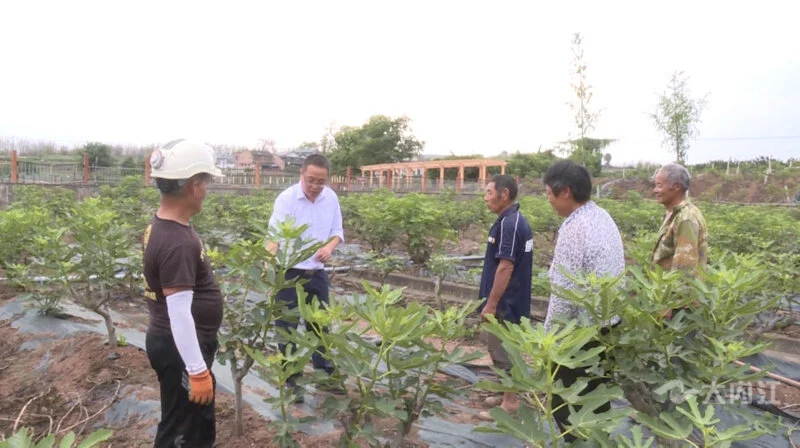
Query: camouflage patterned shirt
[[682, 240]]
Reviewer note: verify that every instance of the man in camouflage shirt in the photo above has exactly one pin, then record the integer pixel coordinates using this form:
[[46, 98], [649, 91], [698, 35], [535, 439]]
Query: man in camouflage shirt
[[683, 238]]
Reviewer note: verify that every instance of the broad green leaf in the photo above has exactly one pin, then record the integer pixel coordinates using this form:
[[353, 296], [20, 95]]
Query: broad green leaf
[[668, 426], [525, 428], [390, 407], [21, 439], [638, 439], [94, 439], [68, 440]]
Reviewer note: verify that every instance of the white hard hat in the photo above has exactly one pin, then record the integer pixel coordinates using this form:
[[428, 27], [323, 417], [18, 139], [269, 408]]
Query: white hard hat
[[182, 159]]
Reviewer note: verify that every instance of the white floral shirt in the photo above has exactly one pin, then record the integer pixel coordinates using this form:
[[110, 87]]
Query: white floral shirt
[[588, 242]]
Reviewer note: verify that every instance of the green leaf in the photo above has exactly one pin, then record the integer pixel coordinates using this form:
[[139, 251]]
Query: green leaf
[[68, 440], [47, 442], [22, 439], [673, 384], [334, 405], [638, 439], [390, 408], [101, 435], [527, 428], [668, 426]]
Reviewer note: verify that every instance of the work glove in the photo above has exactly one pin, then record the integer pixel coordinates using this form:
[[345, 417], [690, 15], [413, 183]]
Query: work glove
[[201, 388]]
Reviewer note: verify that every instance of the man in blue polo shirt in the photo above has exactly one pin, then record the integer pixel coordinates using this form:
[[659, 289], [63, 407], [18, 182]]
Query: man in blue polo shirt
[[507, 269]]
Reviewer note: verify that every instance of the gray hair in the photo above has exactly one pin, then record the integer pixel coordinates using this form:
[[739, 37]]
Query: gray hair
[[677, 174]]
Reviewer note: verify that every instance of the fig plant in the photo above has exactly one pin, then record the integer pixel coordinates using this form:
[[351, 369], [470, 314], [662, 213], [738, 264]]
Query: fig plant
[[250, 286]]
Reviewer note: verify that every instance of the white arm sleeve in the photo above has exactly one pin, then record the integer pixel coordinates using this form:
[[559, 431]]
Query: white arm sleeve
[[179, 308]]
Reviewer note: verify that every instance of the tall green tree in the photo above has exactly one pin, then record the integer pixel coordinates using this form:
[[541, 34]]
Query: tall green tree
[[677, 115], [380, 140], [99, 154]]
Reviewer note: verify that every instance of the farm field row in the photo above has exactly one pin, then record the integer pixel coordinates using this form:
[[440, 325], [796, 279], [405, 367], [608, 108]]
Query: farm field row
[[386, 339]]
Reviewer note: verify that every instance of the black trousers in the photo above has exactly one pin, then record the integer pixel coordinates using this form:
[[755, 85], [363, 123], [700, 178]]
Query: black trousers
[[316, 285], [568, 377], [183, 423]]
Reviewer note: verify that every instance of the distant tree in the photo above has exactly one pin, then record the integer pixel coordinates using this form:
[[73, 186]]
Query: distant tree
[[308, 146], [129, 162], [607, 158], [589, 152], [328, 141], [380, 140], [268, 145], [584, 118], [99, 154], [584, 150], [677, 115], [531, 164]]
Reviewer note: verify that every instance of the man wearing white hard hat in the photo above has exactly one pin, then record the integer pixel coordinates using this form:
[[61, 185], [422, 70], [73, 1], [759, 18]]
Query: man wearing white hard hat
[[185, 301]]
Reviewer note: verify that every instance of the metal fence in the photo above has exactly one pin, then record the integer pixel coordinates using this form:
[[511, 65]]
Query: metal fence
[[5, 171], [416, 184], [73, 173], [49, 173], [112, 174], [236, 177]]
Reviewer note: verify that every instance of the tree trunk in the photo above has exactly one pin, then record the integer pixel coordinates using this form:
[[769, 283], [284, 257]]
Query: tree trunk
[[112, 333], [437, 290], [403, 429], [237, 394]]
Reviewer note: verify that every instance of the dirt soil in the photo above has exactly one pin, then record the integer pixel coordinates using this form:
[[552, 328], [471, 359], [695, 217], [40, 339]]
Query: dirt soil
[[792, 331], [711, 186], [470, 242], [781, 395], [81, 383], [69, 384]]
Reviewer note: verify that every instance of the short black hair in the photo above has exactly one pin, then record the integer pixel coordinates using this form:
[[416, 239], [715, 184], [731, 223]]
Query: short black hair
[[173, 187], [566, 173], [317, 160], [505, 182]]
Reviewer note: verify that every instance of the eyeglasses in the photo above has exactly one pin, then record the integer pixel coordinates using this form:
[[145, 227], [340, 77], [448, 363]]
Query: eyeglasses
[[313, 181]]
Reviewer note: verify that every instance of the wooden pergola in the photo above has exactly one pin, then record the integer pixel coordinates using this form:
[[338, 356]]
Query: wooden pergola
[[386, 171]]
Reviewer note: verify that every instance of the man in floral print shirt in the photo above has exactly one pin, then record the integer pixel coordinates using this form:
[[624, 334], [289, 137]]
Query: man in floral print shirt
[[683, 239]]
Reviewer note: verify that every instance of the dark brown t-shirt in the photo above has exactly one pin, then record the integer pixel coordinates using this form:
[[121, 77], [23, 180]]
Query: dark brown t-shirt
[[174, 256]]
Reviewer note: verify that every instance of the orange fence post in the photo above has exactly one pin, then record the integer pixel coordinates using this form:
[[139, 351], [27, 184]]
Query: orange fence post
[[85, 168], [349, 174], [14, 168], [258, 173], [424, 180], [147, 169]]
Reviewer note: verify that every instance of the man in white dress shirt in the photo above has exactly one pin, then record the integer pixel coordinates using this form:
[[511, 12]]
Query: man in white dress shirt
[[310, 202]]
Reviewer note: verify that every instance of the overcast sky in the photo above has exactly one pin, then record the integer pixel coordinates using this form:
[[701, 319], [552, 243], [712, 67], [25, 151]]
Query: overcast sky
[[474, 77]]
